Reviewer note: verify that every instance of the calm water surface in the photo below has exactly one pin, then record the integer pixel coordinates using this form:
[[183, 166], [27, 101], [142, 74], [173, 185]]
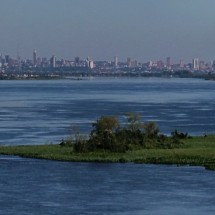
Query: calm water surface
[[38, 112], [38, 187]]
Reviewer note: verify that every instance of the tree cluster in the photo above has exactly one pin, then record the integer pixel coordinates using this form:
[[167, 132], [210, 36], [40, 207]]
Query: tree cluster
[[108, 135]]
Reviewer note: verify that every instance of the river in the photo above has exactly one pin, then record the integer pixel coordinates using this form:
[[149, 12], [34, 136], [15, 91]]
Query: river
[[40, 187], [38, 112]]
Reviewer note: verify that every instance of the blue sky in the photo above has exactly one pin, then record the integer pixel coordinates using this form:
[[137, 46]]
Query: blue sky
[[101, 29]]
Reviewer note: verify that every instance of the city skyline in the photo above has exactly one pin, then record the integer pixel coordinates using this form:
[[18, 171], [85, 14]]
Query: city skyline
[[168, 60], [35, 61], [142, 29]]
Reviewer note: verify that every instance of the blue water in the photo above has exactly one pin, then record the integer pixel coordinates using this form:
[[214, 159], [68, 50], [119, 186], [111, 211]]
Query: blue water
[[38, 112], [38, 187]]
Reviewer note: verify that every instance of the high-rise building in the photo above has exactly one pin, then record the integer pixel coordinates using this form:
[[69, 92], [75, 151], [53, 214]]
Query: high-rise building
[[116, 61], [7, 58], [1, 58], [202, 65], [196, 64], [53, 61], [34, 57], [168, 62], [160, 64], [91, 64], [77, 61], [129, 62], [150, 63], [181, 64], [134, 63]]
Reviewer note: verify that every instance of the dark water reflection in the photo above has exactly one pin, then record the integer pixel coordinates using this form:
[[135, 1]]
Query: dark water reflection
[[36, 187]]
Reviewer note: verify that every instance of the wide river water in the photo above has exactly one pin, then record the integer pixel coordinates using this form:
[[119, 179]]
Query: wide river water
[[38, 112], [39, 187]]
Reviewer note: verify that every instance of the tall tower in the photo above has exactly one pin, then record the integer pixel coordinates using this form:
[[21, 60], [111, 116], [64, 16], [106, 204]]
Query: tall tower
[[90, 63], [116, 61], [129, 62], [181, 63], [168, 62], [34, 57], [53, 61], [195, 63], [7, 58]]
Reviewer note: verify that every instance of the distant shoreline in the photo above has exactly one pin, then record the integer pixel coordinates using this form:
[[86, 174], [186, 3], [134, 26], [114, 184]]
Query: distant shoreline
[[79, 75]]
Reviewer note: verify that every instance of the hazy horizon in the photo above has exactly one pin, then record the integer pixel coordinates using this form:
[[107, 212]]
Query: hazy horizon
[[140, 29]]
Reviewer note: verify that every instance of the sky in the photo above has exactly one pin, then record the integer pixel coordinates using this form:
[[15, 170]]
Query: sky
[[101, 29]]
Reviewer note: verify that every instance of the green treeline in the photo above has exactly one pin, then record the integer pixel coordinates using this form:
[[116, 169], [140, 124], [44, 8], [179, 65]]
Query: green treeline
[[109, 135]]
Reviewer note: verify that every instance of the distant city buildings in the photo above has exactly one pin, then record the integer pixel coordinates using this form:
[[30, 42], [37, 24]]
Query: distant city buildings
[[37, 63], [131, 63]]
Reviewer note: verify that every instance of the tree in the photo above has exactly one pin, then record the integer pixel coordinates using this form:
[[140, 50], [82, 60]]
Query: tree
[[103, 133], [105, 123], [151, 129], [76, 140], [134, 121]]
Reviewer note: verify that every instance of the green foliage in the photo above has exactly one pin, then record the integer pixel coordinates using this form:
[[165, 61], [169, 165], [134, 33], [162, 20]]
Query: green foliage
[[195, 151], [67, 142], [179, 135], [80, 146], [76, 140], [108, 135], [105, 123], [103, 136], [130, 138], [151, 129], [134, 121]]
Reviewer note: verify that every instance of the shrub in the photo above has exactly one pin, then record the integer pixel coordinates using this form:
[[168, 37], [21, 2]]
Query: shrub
[[67, 143], [81, 146], [134, 121], [105, 123], [107, 135], [103, 134], [180, 135], [151, 129]]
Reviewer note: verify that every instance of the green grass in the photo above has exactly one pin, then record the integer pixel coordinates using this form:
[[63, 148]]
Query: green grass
[[195, 151]]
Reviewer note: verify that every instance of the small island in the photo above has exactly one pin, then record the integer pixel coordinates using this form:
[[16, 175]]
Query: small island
[[137, 142]]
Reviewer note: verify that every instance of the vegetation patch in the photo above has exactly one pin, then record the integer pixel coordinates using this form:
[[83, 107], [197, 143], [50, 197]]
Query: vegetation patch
[[135, 142], [108, 135]]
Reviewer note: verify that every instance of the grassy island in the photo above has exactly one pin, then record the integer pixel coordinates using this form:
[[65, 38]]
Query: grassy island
[[110, 143], [199, 151]]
